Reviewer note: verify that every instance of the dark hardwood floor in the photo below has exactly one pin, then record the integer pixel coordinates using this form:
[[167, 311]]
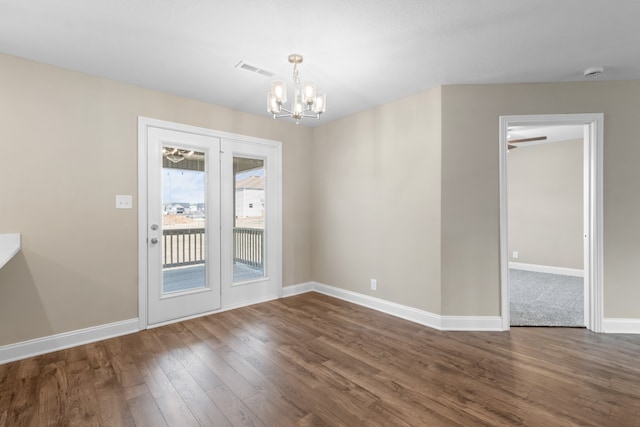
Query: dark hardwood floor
[[313, 360]]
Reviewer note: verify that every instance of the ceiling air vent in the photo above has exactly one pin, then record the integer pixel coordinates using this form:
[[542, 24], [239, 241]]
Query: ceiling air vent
[[254, 69]]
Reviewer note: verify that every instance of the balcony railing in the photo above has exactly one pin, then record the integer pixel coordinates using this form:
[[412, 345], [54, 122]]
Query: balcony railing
[[183, 246], [248, 244], [186, 246]]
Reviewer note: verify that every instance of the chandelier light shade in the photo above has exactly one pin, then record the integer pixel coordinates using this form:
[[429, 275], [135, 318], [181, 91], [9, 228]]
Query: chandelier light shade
[[306, 102]]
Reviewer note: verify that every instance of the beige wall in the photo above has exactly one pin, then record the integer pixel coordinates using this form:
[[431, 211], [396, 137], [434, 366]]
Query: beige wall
[[376, 202], [470, 187], [406, 193], [69, 145], [545, 194], [365, 168]]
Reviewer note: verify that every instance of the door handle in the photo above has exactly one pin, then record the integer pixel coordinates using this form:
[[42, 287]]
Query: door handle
[[154, 240]]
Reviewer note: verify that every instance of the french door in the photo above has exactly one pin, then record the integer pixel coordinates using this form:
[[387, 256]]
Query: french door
[[251, 222], [210, 227], [183, 211]]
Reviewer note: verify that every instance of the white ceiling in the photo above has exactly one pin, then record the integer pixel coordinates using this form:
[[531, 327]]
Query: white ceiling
[[362, 53]]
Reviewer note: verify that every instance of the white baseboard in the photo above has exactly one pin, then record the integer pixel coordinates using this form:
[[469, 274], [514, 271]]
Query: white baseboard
[[408, 313], [422, 317], [37, 346], [443, 323], [547, 269], [620, 326], [289, 291], [471, 323]]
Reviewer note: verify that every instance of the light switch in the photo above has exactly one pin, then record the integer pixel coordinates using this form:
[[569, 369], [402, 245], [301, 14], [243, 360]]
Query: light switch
[[124, 202]]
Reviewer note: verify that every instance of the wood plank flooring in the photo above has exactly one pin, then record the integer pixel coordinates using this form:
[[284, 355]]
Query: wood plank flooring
[[312, 360]]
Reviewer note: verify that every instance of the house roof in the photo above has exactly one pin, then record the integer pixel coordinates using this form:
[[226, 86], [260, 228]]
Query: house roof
[[362, 53], [252, 182]]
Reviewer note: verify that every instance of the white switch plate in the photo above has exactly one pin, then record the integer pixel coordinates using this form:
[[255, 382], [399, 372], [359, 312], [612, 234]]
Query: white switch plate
[[124, 202], [515, 254], [374, 285]]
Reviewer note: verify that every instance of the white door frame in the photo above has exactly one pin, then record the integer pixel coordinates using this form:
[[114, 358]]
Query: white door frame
[[144, 124], [593, 210]]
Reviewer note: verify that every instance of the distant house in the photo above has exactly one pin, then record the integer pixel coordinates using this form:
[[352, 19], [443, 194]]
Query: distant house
[[174, 208], [250, 197]]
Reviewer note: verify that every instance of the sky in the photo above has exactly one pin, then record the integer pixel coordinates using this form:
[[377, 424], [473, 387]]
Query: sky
[[186, 186], [182, 186]]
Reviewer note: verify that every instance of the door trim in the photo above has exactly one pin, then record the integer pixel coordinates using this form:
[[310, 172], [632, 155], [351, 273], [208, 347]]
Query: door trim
[[144, 123], [593, 214]]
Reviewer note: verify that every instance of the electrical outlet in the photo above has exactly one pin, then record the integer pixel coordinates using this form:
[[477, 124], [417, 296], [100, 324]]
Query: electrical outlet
[[374, 285], [515, 255]]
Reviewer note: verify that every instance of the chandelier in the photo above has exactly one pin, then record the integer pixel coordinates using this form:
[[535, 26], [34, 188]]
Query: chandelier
[[306, 101]]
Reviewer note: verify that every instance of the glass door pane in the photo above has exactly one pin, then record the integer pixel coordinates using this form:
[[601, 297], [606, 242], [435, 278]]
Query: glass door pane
[[249, 219], [183, 220]]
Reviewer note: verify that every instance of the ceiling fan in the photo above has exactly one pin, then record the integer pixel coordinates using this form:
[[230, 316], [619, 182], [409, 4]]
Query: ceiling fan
[[176, 155], [518, 141]]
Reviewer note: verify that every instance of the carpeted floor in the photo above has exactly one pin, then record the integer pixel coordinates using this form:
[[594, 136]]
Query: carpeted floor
[[542, 299]]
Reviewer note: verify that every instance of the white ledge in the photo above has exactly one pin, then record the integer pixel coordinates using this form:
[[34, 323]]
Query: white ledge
[[9, 246]]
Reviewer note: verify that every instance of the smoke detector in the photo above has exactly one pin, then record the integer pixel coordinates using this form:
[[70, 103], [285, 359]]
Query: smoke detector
[[593, 72]]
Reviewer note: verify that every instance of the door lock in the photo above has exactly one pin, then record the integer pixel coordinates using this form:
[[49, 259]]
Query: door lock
[[154, 240]]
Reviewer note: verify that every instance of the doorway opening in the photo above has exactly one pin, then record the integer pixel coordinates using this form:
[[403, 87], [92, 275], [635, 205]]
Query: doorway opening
[[545, 225], [574, 247]]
